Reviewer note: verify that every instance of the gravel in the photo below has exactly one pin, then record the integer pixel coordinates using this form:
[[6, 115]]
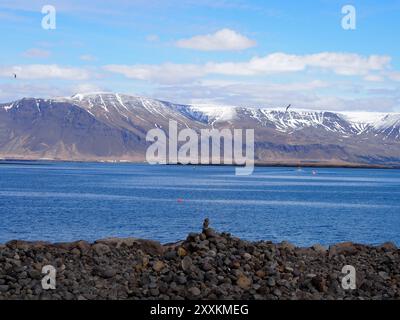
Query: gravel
[[207, 265]]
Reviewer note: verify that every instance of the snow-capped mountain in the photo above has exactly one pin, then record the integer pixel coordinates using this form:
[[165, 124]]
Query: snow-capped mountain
[[111, 126], [346, 123]]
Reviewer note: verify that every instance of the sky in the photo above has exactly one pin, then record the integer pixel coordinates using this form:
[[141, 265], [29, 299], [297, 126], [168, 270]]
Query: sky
[[230, 52]]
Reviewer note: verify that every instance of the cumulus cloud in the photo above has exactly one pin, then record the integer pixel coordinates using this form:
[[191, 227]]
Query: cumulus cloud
[[348, 64], [222, 40], [36, 53], [44, 71], [345, 64]]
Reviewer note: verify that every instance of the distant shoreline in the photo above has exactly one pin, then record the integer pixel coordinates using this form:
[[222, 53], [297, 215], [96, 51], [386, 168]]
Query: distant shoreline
[[299, 164]]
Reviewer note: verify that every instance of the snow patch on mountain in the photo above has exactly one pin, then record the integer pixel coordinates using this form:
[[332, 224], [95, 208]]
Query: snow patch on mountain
[[345, 123], [215, 113], [8, 107]]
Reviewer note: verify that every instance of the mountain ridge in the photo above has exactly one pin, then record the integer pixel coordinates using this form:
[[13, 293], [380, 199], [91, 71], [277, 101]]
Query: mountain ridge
[[113, 126]]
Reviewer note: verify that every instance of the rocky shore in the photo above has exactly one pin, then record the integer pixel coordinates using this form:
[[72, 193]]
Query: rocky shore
[[207, 265]]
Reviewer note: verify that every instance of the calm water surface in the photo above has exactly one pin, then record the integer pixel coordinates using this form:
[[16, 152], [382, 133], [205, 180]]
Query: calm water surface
[[71, 201]]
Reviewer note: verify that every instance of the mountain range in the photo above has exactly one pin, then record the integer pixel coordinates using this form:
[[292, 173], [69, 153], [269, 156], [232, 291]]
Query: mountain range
[[113, 127]]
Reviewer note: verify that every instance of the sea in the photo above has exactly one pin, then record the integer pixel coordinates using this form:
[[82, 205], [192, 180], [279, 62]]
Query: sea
[[69, 201]]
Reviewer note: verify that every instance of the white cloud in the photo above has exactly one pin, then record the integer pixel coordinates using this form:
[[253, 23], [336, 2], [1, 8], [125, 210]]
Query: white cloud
[[374, 78], [302, 95], [44, 71], [395, 76], [166, 73], [36, 53], [222, 40], [13, 91], [345, 64], [17, 90], [348, 64]]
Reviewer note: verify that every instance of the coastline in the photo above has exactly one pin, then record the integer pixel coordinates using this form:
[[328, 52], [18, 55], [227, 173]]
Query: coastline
[[206, 266], [294, 164]]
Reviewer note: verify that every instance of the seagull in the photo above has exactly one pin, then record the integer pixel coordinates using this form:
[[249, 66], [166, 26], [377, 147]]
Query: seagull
[[288, 107]]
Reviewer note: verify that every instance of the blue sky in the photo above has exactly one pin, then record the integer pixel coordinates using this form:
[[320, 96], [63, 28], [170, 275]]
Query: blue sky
[[253, 53]]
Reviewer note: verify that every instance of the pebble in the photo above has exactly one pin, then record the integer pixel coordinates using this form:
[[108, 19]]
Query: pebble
[[186, 263], [101, 249], [206, 265], [271, 282], [244, 282], [195, 291], [182, 252], [158, 266]]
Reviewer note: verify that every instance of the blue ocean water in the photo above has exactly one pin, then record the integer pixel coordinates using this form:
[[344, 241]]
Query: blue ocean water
[[72, 201]]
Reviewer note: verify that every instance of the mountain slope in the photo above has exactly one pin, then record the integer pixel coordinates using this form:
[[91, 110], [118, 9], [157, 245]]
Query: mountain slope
[[108, 126], [36, 128]]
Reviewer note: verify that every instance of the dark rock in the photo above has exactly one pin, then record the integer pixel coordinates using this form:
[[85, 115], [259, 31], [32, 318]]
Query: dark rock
[[170, 255], [244, 282], [187, 263], [195, 291], [345, 248], [151, 247], [101, 249], [205, 266], [106, 273], [271, 282], [319, 249], [388, 246], [319, 283], [287, 245], [4, 288], [210, 233], [35, 274]]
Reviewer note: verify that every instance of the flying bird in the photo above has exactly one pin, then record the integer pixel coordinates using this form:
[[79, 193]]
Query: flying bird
[[288, 107], [15, 76]]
